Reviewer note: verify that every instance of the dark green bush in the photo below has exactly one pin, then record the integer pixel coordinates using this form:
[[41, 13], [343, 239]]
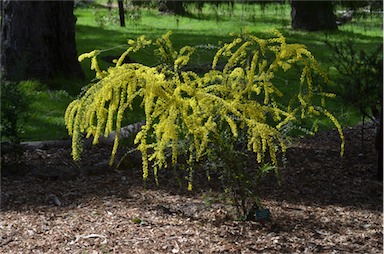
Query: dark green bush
[[14, 103], [361, 76]]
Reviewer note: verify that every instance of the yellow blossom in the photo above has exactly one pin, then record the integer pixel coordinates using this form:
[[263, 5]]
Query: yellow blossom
[[191, 109]]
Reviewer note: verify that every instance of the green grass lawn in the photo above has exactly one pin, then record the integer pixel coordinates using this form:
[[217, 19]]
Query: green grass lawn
[[45, 120], [215, 24]]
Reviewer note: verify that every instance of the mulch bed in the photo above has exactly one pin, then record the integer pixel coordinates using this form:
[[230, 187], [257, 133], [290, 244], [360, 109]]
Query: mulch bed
[[325, 204]]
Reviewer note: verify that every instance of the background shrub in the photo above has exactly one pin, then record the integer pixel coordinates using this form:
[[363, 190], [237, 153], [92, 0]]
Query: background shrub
[[361, 76], [14, 104]]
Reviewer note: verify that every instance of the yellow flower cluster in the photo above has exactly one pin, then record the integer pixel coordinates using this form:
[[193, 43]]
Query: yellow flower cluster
[[182, 105]]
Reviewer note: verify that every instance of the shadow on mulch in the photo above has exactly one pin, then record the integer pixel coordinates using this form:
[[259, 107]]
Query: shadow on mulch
[[314, 174]]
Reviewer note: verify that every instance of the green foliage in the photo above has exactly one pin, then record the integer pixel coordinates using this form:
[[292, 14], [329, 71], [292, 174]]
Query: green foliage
[[104, 18], [133, 14], [361, 76], [109, 16], [229, 158], [207, 116], [45, 111], [14, 103]]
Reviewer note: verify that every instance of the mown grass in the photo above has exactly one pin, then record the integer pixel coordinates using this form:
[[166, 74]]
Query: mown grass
[[210, 28], [44, 118]]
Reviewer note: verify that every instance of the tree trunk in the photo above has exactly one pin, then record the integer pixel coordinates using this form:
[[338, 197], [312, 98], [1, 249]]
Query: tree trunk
[[121, 12], [172, 6], [38, 40], [312, 15]]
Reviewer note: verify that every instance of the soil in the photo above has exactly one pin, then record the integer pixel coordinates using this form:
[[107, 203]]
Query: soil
[[324, 204]]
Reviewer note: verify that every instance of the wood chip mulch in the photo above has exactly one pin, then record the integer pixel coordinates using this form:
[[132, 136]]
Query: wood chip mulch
[[325, 204]]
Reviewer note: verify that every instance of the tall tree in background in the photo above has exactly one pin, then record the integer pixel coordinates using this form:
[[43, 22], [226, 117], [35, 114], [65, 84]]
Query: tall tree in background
[[312, 15], [38, 40], [172, 6]]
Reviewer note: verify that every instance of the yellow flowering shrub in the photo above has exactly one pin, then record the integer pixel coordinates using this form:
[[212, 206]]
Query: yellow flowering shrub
[[183, 106]]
